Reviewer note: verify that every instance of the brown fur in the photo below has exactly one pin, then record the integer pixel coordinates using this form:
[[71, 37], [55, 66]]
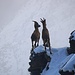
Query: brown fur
[[35, 35], [45, 35]]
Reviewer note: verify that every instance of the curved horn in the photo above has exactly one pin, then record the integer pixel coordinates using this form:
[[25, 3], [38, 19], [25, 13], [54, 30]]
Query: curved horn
[[44, 19], [41, 19], [33, 21]]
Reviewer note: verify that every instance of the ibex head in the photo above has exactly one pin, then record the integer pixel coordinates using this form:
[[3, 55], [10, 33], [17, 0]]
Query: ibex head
[[36, 25], [43, 21]]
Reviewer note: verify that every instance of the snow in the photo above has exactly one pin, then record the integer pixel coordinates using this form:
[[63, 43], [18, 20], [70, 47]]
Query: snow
[[70, 64], [56, 62], [39, 49], [60, 61], [15, 43]]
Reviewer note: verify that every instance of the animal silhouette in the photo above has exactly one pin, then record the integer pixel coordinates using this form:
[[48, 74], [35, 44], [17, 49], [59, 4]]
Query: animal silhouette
[[35, 35], [45, 35]]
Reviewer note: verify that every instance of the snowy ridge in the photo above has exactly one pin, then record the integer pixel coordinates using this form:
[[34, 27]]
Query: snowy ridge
[[70, 64], [60, 60]]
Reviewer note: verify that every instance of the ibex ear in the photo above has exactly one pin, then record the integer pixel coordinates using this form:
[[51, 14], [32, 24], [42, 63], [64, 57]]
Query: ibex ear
[[41, 19]]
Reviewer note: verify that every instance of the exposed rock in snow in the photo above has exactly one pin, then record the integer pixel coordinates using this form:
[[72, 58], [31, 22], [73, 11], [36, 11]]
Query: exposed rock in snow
[[39, 60], [72, 36]]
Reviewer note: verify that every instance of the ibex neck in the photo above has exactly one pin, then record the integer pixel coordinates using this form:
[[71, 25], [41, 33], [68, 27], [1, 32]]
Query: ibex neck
[[36, 29], [44, 24]]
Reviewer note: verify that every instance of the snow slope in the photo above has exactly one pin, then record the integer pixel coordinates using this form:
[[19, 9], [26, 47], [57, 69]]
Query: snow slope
[[70, 64], [15, 43], [8, 10], [59, 59]]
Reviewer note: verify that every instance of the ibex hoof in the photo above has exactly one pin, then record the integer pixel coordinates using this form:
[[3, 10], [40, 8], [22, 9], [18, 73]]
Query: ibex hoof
[[50, 52]]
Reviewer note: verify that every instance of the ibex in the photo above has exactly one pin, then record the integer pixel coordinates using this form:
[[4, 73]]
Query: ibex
[[45, 35], [35, 35]]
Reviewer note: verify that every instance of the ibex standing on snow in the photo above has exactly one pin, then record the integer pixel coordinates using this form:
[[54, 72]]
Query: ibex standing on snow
[[35, 35], [45, 35]]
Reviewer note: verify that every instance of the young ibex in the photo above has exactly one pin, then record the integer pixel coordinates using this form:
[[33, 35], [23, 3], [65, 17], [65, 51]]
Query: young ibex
[[45, 35], [35, 35]]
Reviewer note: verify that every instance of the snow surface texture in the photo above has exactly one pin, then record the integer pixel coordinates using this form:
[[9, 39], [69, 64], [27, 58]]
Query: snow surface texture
[[70, 64], [15, 43], [60, 61]]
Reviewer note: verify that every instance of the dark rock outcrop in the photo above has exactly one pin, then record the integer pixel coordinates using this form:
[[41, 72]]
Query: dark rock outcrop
[[66, 72], [72, 43], [38, 62], [72, 47]]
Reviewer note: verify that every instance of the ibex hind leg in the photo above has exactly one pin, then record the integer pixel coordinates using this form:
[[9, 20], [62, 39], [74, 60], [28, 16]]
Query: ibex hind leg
[[50, 48], [45, 46], [37, 43], [33, 46], [32, 50]]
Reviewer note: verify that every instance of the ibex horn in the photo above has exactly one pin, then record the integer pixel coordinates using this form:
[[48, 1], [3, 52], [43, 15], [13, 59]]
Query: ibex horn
[[33, 21], [44, 19]]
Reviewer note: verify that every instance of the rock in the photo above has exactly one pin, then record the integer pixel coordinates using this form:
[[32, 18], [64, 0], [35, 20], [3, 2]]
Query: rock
[[38, 62], [66, 72]]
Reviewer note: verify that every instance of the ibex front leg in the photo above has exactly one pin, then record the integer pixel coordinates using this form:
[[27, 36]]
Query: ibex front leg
[[49, 47]]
